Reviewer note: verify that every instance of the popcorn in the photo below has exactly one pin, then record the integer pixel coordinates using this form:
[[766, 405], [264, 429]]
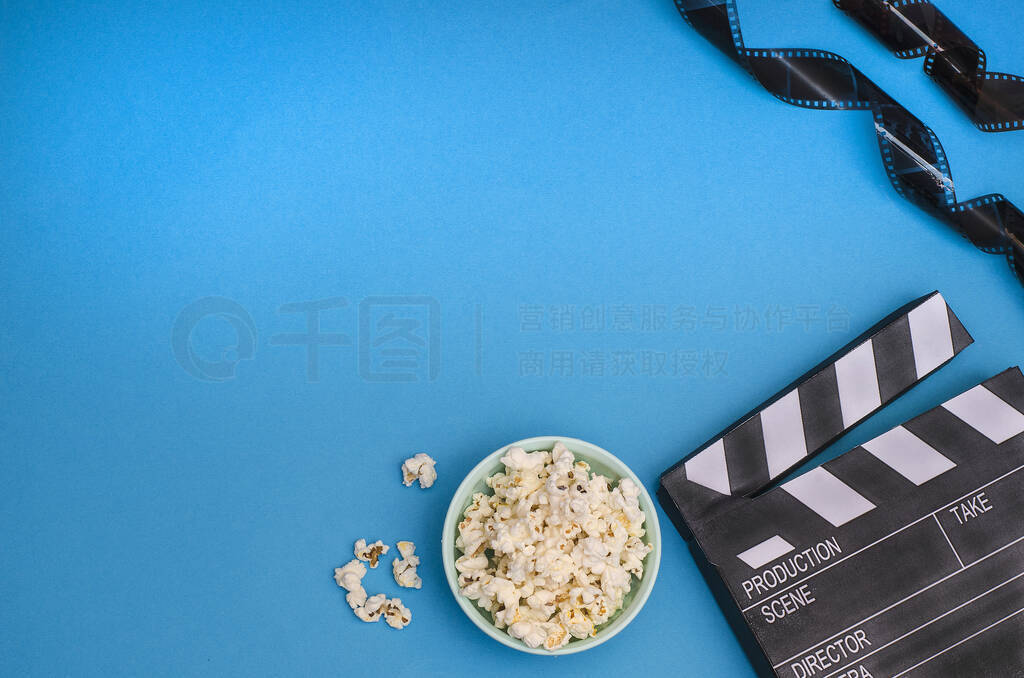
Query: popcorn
[[372, 609], [356, 597], [406, 549], [577, 622], [615, 582], [370, 553], [350, 575], [419, 467], [543, 602], [517, 459], [396, 615], [503, 590], [531, 633], [469, 564], [633, 554], [404, 569], [558, 636], [534, 634], [552, 552]]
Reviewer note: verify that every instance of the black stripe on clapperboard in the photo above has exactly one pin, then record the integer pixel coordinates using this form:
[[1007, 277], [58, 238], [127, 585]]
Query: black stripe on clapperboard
[[808, 415]]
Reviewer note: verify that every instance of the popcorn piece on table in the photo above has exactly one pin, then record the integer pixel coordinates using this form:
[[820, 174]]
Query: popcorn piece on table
[[370, 553], [356, 598], [404, 568], [397, 615], [350, 577], [373, 609], [350, 574], [419, 467]]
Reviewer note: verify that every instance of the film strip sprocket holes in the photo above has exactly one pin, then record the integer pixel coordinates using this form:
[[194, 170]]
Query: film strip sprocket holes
[[914, 28], [804, 418], [914, 159]]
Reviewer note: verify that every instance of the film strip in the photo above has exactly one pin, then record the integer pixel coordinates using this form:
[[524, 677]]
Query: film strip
[[902, 557], [914, 159], [912, 28]]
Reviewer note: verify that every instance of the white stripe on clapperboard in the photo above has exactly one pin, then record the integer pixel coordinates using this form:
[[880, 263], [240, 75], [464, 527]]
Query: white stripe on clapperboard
[[930, 335], [708, 468], [986, 412], [783, 430], [857, 381], [828, 496], [766, 552], [908, 455], [858, 384]]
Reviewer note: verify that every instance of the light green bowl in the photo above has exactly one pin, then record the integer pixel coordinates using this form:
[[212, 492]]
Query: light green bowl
[[601, 462]]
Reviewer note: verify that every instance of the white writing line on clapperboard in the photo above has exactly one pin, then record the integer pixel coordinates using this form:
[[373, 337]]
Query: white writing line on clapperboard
[[935, 515]]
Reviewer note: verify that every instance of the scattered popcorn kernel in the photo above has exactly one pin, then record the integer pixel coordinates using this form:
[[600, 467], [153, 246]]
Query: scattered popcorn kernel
[[404, 568], [350, 575], [356, 597], [372, 609], [406, 548], [396, 615], [370, 553], [419, 467]]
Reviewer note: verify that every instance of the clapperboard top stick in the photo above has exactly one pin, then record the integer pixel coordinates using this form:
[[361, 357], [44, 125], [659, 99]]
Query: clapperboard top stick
[[902, 557], [812, 412]]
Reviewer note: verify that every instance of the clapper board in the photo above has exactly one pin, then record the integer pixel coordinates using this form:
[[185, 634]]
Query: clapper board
[[901, 557]]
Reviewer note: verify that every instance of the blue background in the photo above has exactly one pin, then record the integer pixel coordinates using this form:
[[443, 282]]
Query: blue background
[[506, 160]]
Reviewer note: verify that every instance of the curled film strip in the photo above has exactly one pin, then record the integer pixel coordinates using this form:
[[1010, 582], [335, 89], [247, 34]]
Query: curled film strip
[[913, 28], [914, 159]]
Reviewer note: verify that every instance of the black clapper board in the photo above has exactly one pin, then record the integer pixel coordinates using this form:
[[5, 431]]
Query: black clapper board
[[903, 556]]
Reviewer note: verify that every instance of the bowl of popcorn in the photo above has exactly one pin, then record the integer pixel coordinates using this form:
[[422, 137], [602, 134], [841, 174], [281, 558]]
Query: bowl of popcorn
[[551, 545]]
